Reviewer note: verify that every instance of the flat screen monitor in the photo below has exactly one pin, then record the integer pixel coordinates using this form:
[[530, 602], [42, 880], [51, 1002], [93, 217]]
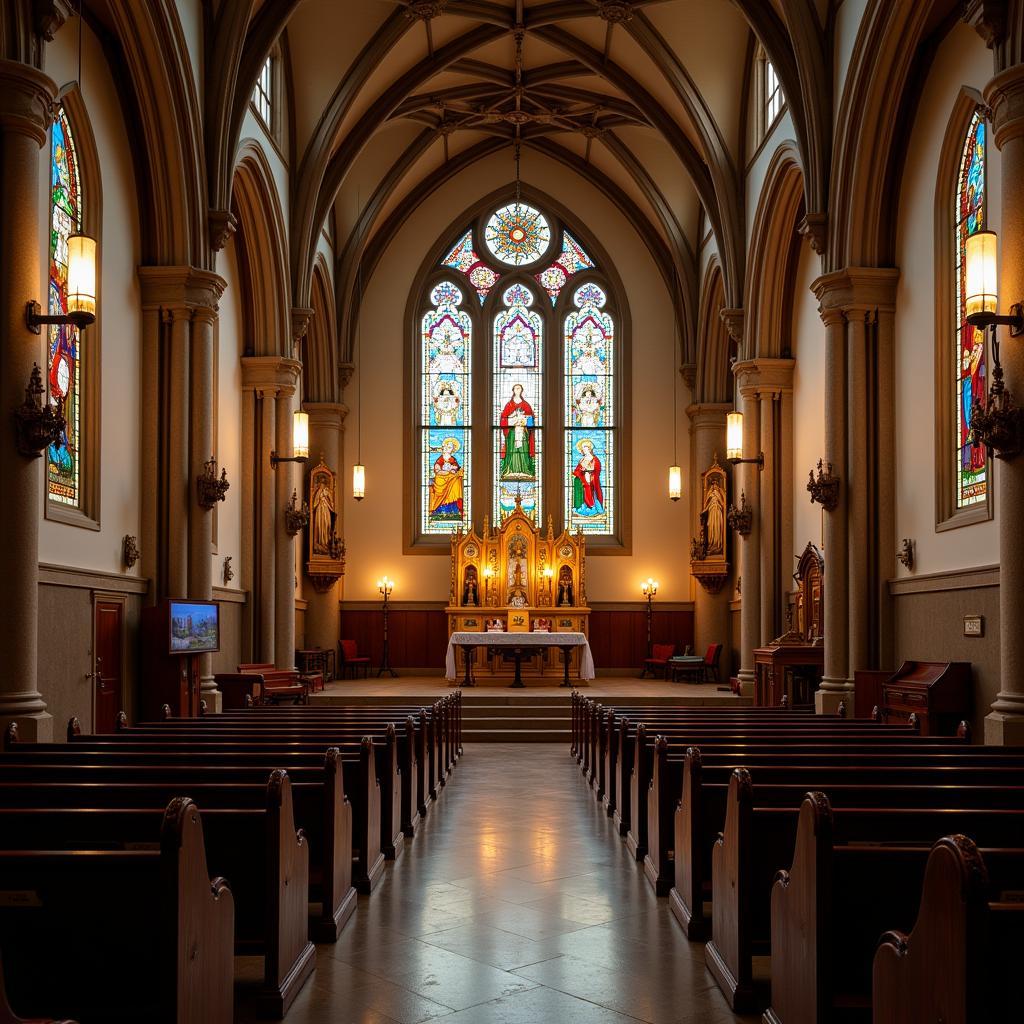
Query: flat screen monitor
[[194, 627]]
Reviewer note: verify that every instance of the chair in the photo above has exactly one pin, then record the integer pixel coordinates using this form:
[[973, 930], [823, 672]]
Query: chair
[[660, 653], [711, 659], [351, 658]]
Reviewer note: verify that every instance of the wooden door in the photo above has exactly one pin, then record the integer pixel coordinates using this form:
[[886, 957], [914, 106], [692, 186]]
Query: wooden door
[[108, 655]]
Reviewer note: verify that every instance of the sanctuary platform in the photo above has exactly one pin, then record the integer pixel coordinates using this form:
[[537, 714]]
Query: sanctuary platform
[[492, 712]]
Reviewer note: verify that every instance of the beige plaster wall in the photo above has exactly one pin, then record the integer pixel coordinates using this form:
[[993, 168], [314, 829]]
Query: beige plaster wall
[[120, 320], [374, 527], [808, 343], [962, 59]]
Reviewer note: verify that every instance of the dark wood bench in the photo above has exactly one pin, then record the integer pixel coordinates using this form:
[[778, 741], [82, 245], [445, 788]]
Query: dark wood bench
[[7, 1015], [856, 873], [277, 683], [960, 963], [147, 934]]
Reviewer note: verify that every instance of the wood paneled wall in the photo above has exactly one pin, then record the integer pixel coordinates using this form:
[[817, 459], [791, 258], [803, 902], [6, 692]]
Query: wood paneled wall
[[419, 635]]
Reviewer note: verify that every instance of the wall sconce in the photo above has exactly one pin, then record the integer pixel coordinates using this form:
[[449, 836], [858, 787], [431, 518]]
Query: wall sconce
[[358, 482], [675, 482], [295, 518], [488, 576], [905, 555], [81, 289], [209, 489], [300, 441], [1000, 425], [129, 550], [824, 489], [37, 424], [740, 519], [734, 442]]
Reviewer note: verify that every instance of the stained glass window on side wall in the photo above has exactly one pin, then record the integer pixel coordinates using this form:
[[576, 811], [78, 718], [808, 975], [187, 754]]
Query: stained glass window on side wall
[[970, 363], [517, 397], [445, 421], [63, 461], [572, 259], [463, 257], [590, 414]]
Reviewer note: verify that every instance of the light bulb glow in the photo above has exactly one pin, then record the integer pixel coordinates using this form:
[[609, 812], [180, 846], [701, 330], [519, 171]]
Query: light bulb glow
[[358, 482], [300, 435], [82, 278], [675, 482], [982, 273], [734, 436]]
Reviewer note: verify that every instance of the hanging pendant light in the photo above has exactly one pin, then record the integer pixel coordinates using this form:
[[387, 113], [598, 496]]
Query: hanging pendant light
[[675, 472], [359, 470]]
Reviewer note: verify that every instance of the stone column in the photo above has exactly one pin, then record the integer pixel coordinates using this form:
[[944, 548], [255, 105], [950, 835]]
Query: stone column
[[750, 546], [26, 103], [326, 426], [836, 684], [149, 533], [711, 611], [203, 446], [180, 488], [858, 487], [284, 572], [265, 594], [1005, 724]]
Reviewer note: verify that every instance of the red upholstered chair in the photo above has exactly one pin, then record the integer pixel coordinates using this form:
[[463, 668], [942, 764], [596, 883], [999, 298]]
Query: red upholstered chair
[[660, 653], [352, 659], [711, 660]]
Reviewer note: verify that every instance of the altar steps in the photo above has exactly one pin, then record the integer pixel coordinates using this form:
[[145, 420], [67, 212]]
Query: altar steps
[[516, 717]]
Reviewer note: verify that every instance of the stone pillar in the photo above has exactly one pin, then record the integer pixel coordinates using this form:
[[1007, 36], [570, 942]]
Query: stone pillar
[[149, 533], [711, 611], [858, 488], [836, 684], [180, 488], [203, 446], [284, 572], [265, 594], [326, 426], [26, 103], [1005, 724], [750, 546]]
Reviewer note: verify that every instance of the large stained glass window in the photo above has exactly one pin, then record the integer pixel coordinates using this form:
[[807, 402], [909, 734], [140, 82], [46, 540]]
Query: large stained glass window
[[63, 461], [517, 395], [970, 369], [515, 392], [445, 412], [590, 414]]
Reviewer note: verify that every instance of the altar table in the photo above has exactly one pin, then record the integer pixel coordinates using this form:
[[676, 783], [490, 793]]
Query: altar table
[[516, 642]]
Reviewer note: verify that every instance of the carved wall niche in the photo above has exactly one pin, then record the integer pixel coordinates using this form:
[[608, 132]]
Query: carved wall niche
[[709, 563]]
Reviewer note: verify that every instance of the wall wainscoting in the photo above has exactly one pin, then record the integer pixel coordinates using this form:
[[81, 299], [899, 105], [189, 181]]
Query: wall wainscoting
[[418, 632]]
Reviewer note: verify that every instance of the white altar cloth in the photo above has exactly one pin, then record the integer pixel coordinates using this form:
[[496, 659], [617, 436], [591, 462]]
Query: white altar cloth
[[520, 640]]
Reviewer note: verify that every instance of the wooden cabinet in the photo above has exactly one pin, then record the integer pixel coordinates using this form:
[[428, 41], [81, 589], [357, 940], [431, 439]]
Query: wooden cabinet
[[171, 679], [939, 693], [792, 670]]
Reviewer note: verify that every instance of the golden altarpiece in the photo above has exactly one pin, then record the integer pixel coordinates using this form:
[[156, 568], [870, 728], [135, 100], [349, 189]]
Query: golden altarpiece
[[793, 664], [522, 580]]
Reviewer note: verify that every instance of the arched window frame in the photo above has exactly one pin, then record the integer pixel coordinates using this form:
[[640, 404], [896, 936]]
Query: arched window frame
[[85, 513], [948, 513], [269, 98], [482, 315], [770, 100]]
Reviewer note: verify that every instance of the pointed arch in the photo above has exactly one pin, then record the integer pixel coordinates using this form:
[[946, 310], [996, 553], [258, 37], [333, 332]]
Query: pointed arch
[[714, 380], [262, 254], [320, 369]]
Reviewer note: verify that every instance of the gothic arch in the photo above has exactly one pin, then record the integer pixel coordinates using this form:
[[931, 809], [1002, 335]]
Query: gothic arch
[[262, 256], [320, 365], [714, 375], [771, 265]]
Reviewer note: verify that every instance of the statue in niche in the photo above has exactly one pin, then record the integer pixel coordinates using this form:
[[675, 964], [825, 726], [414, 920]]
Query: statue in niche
[[323, 513], [470, 589], [565, 591], [713, 517]]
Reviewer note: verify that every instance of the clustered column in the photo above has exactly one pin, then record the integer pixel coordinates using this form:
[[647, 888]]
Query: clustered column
[[750, 546], [1005, 724], [26, 100]]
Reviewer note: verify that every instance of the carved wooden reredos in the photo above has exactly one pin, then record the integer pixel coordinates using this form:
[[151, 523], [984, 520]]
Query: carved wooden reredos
[[515, 566], [810, 598]]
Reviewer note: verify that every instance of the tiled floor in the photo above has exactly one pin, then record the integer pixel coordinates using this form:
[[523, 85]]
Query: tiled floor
[[515, 904]]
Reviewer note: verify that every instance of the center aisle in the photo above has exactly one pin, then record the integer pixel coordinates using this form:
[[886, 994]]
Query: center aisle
[[516, 903]]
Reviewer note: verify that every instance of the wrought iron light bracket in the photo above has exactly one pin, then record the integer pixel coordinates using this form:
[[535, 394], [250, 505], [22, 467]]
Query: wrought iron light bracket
[[825, 489], [37, 424], [209, 488]]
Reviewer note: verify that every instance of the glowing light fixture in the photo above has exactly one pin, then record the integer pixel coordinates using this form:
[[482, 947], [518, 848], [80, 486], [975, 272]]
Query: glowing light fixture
[[734, 442], [300, 441], [358, 482]]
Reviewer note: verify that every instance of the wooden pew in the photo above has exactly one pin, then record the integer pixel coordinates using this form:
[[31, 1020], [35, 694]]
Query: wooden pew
[[242, 746], [830, 907], [277, 683], [7, 1015], [663, 796], [264, 859], [757, 835], [960, 964], [344, 833], [146, 935]]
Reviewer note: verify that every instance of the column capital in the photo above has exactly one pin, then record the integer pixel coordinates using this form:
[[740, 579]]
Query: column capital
[[326, 414], [345, 371], [28, 100], [764, 377], [275, 375], [180, 287], [709, 414], [301, 316], [1004, 95], [733, 320], [856, 289]]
